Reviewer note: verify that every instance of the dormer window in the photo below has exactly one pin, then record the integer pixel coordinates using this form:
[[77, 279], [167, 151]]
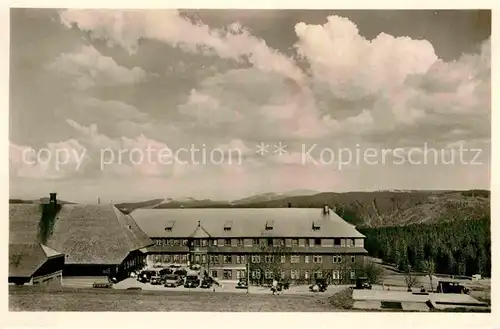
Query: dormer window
[[316, 226], [269, 225], [169, 226], [228, 225]]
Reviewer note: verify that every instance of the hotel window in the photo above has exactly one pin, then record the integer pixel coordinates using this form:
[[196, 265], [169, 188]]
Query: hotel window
[[241, 242], [214, 242], [228, 259], [295, 259], [228, 274], [283, 274], [280, 242], [157, 242], [197, 258], [255, 242], [317, 242], [294, 274], [203, 258], [168, 258], [318, 274], [170, 242], [196, 243], [214, 273], [255, 259], [306, 274], [177, 242], [283, 259], [256, 274], [203, 243], [336, 275], [317, 259], [353, 242], [214, 259], [336, 242], [185, 242], [306, 242], [306, 259], [227, 242], [295, 242], [353, 259], [240, 274], [176, 258], [337, 259], [353, 275], [269, 258], [269, 242], [268, 274], [240, 259]]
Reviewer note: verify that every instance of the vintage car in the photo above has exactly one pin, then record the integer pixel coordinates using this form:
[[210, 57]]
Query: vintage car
[[207, 282], [319, 286], [173, 281], [192, 280], [242, 284], [146, 275], [156, 280]]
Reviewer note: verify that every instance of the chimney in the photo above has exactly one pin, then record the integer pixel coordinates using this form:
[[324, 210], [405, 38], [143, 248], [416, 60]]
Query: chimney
[[53, 199], [289, 205]]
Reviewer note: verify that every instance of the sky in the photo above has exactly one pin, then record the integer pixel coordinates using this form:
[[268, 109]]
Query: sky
[[222, 104]]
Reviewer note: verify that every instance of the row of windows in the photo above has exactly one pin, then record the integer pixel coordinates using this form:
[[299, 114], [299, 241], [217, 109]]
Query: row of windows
[[255, 242], [295, 274], [242, 259]]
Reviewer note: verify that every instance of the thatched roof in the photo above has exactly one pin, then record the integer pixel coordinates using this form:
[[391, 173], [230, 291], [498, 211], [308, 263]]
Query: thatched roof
[[26, 259], [86, 234]]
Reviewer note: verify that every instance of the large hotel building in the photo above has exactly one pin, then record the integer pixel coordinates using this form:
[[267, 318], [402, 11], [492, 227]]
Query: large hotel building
[[297, 244]]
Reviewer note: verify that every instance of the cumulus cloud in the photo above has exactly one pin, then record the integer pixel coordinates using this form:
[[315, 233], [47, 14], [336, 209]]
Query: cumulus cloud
[[89, 68], [126, 28]]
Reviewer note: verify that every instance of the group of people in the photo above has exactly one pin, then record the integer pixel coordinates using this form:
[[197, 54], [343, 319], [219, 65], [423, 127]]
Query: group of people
[[276, 287]]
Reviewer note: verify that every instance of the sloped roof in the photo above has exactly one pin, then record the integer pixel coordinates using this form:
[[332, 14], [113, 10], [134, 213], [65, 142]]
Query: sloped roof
[[199, 232], [246, 222], [86, 234], [26, 259]]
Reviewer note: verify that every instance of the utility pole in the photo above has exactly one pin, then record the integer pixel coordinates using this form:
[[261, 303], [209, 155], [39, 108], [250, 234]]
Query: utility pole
[[248, 275]]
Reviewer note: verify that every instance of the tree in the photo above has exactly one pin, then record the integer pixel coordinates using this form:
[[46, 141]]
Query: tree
[[429, 268], [373, 272], [270, 260], [411, 279]]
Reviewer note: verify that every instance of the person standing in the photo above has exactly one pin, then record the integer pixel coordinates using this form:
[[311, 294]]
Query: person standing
[[274, 288]]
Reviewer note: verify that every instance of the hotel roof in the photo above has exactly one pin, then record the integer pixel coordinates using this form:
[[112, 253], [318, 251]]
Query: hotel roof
[[244, 222]]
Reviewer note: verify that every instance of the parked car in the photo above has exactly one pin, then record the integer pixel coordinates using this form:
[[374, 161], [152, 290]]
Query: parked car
[[172, 280], [192, 280], [146, 275], [155, 280], [180, 272], [166, 271], [362, 283], [242, 284], [319, 286], [207, 282]]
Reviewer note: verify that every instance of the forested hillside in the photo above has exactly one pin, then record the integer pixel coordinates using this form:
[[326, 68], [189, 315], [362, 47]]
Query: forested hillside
[[457, 247]]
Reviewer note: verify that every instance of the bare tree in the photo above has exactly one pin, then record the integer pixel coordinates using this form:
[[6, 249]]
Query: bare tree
[[270, 259], [373, 272], [411, 279], [429, 268]]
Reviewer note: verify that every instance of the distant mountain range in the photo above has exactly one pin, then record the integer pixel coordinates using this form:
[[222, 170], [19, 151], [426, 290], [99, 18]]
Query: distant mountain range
[[371, 209]]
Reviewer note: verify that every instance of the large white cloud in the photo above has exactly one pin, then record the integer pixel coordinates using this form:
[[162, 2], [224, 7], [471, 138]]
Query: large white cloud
[[89, 68]]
